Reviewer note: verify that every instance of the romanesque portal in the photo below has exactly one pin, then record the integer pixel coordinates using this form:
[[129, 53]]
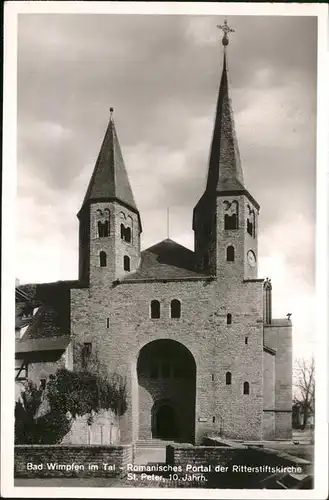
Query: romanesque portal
[[167, 385]]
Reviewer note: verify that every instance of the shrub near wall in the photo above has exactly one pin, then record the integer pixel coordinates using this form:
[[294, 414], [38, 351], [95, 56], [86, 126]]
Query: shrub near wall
[[71, 461]]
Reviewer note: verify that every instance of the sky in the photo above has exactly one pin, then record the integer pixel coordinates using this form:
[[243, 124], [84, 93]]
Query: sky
[[161, 74]]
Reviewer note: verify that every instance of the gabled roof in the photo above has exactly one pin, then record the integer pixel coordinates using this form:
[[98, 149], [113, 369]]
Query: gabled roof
[[166, 260], [52, 319], [33, 346], [109, 180]]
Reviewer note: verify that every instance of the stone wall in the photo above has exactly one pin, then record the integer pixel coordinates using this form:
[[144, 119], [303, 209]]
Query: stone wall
[[278, 336], [71, 461], [104, 430], [216, 346], [223, 459], [229, 455], [269, 396]]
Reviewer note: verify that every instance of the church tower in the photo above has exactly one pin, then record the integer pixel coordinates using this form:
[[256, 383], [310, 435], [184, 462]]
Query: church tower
[[109, 221], [226, 217]]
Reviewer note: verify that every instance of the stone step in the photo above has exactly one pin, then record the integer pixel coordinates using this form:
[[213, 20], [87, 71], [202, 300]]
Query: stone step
[[153, 443]]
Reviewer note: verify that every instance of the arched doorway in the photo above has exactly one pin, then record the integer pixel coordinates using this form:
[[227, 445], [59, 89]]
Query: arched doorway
[[166, 373], [164, 421]]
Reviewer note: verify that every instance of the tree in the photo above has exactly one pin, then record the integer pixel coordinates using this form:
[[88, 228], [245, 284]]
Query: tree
[[305, 387], [26, 413]]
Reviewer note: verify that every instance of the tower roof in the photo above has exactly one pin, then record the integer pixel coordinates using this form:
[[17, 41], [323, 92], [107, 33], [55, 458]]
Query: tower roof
[[109, 180], [225, 171]]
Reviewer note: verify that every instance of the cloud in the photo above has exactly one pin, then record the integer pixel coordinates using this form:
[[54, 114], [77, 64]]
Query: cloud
[[161, 74]]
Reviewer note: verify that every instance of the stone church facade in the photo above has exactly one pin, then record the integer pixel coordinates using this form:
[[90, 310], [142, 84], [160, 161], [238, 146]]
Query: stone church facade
[[191, 332]]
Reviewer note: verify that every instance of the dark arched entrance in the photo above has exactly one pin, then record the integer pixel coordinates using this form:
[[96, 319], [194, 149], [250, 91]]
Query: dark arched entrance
[[166, 373], [164, 421]]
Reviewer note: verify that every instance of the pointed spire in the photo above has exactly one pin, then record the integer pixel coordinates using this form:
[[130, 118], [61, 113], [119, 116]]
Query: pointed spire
[[225, 171], [110, 180]]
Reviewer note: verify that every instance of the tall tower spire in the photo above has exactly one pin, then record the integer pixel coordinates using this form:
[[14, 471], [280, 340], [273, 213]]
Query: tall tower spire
[[110, 225], [110, 179], [225, 218], [225, 171]]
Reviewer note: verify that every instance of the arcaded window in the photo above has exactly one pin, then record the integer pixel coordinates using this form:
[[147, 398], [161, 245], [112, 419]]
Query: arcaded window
[[125, 233], [102, 259], [229, 319], [106, 222], [126, 263], [155, 309], [103, 222], [175, 308], [251, 222], [228, 378], [230, 254], [246, 388], [128, 235], [231, 215]]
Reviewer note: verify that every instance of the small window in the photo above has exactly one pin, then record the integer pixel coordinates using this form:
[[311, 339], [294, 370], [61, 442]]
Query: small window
[[230, 254], [154, 373], [86, 353], [212, 377], [246, 388], [43, 382], [246, 340], [175, 308], [126, 263], [27, 312], [229, 319], [155, 309], [228, 378], [107, 322], [213, 420], [87, 348], [102, 259]]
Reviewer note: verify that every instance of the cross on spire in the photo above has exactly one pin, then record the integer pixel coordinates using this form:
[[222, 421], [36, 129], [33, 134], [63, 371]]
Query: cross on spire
[[226, 30]]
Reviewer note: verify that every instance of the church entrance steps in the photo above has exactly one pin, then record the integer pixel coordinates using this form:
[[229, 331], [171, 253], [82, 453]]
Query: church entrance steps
[[153, 443], [147, 454]]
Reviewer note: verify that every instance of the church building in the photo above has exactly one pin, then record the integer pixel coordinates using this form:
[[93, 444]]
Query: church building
[[191, 332]]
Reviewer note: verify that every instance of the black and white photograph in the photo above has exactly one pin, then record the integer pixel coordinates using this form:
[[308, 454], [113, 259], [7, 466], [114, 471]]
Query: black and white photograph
[[165, 230]]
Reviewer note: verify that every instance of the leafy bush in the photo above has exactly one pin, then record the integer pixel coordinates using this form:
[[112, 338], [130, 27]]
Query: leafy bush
[[69, 394], [82, 393]]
